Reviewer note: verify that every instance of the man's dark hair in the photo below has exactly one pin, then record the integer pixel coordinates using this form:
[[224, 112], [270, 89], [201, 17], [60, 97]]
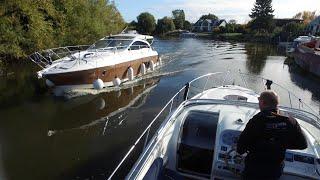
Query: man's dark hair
[[270, 98]]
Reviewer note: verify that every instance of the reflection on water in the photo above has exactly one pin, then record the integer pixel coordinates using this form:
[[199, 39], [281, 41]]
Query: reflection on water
[[106, 106], [43, 137], [305, 81], [257, 55]]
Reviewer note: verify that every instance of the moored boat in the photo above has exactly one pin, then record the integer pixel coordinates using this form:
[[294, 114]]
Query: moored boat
[[108, 62], [198, 137], [188, 34], [296, 42], [307, 56]]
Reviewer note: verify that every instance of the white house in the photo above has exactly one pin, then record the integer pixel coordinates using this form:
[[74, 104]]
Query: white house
[[207, 25], [314, 26]]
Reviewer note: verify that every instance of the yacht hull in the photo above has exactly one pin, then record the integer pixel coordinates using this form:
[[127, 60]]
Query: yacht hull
[[107, 73], [307, 60]]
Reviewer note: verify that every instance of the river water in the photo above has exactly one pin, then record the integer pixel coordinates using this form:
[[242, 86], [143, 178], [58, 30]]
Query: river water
[[47, 137]]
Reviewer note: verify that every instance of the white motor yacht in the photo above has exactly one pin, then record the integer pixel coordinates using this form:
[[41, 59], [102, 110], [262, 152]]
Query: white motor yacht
[[197, 139], [108, 62]]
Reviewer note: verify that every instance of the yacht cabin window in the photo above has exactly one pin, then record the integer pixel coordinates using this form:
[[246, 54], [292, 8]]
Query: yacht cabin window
[[196, 148], [105, 44], [138, 45]]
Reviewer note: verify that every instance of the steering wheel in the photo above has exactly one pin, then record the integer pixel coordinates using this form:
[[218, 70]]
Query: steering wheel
[[236, 158]]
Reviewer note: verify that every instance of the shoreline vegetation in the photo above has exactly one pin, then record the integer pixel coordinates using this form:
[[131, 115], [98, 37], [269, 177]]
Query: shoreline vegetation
[[29, 26]]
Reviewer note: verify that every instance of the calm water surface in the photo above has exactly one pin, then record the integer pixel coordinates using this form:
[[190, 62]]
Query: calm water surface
[[45, 137]]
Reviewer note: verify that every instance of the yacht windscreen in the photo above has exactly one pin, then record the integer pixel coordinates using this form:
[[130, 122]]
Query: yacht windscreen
[[196, 148], [111, 43], [199, 129]]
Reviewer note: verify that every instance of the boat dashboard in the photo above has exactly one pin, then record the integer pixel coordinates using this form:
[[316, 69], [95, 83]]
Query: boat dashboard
[[296, 162], [210, 139]]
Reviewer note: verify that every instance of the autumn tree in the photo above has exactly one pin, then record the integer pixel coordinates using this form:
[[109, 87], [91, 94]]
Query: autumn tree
[[306, 16]]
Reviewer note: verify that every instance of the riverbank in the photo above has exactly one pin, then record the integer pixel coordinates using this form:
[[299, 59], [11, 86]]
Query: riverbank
[[236, 37]]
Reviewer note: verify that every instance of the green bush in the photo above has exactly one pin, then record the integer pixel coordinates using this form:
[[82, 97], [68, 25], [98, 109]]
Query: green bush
[[27, 26], [146, 23]]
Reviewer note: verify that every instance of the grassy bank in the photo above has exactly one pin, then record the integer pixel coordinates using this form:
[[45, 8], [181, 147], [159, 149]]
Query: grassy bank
[[263, 38], [238, 37]]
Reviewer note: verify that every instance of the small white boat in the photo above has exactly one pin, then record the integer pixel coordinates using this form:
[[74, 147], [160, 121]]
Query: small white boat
[[296, 42], [108, 62], [197, 139], [188, 34]]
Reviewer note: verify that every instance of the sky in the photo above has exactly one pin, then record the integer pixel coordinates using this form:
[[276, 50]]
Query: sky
[[224, 9]]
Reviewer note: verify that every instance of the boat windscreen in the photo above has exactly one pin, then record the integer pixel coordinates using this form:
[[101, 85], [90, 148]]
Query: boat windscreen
[[111, 43], [150, 40], [196, 149]]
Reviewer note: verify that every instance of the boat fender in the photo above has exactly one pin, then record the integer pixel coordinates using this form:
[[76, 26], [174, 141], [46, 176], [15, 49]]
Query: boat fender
[[116, 81], [143, 69], [160, 60], [49, 83], [39, 75], [151, 65], [130, 74], [98, 84]]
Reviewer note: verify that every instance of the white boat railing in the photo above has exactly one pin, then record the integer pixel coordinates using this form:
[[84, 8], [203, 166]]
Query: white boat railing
[[47, 57], [193, 88]]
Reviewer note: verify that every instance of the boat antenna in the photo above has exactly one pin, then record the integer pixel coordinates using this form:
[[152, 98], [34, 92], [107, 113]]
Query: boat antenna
[[124, 30]]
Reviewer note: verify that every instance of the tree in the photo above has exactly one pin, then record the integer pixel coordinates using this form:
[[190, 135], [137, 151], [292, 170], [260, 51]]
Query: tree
[[261, 14], [146, 23], [306, 16], [165, 25], [209, 16], [187, 25], [178, 18], [232, 21], [292, 30], [28, 26], [132, 25]]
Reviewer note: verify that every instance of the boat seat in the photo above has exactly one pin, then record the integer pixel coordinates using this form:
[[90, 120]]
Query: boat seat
[[155, 171]]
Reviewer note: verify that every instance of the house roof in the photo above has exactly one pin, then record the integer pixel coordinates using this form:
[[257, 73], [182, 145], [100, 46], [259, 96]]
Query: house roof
[[283, 21], [212, 22]]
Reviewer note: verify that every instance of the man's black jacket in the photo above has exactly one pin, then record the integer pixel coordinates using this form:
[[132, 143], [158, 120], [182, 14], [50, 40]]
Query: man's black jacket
[[266, 137]]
